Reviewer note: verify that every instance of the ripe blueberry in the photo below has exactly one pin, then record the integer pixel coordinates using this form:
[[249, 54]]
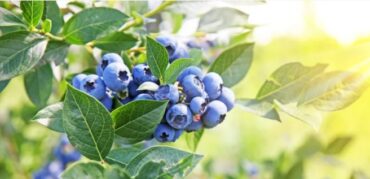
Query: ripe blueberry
[[192, 70], [180, 52], [117, 76], [126, 100], [215, 114], [192, 86], [227, 97], [144, 96], [194, 126], [164, 133], [198, 105], [107, 102], [179, 116], [77, 80], [169, 43], [141, 73], [177, 135], [106, 60], [94, 86], [167, 92], [213, 85], [132, 89]]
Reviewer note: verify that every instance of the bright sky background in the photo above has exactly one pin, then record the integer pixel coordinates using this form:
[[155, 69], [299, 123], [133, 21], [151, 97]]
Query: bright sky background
[[344, 20]]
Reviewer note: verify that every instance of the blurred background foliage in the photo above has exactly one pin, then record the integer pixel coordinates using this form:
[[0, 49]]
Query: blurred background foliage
[[245, 146]]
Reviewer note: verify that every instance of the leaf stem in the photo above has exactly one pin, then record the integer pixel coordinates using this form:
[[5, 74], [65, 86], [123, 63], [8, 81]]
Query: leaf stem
[[54, 37], [138, 21]]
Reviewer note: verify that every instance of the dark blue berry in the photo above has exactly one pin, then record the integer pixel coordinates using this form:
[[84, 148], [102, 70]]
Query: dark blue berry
[[227, 97], [192, 70], [94, 86], [106, 60], [179, 116], [192, 86], [117, 76], [77, 80], [167, 92], [141, 73], [215, 114], [164, 133], [213, 85]]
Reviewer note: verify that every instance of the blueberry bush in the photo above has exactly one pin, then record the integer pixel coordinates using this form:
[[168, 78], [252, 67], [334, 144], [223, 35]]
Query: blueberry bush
[[138, 86]]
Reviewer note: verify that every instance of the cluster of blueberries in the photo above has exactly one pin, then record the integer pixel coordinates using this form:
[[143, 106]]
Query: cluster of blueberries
[[64, 154], [196, 100]]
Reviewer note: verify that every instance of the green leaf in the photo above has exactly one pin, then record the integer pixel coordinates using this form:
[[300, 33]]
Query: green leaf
[[337, 145], [305, 113], [3, 84], [296, 171], [334, 90], [116, 42], [8, 19], [176, 161], [287, 82], [90, 170], [137, 120], [152, 169], [20, 52], [32, 11], [127, 60], [196, 55], [46, 25], [193, 139], [157, 58], [51, 117], [233, 64], [261, 108], [93, 23], [311, 146], [115, 172], [174, 70], [39, 84], [56, 52], [148, 85], [219, 18], [52, 12], [88, 124], [122, 156]]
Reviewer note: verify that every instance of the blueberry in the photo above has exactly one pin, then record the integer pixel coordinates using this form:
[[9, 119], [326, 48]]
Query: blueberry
[[126, 100], [164, 133], [179, 116], [117, 76], [132, 89], [180, 52], [106, 60], [51, 171], [194, 126], [198, 105], [177, 135], [107, 102], [215, 114], [77, 80], [94, 86], [141, 73], [192, 70], [227, 97], [169, 43], [65, 153], [213, 85], [167, 92], [144, 96], [192, 86]]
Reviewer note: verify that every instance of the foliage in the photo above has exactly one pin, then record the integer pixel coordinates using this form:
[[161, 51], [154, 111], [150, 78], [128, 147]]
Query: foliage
[[40, 40]]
